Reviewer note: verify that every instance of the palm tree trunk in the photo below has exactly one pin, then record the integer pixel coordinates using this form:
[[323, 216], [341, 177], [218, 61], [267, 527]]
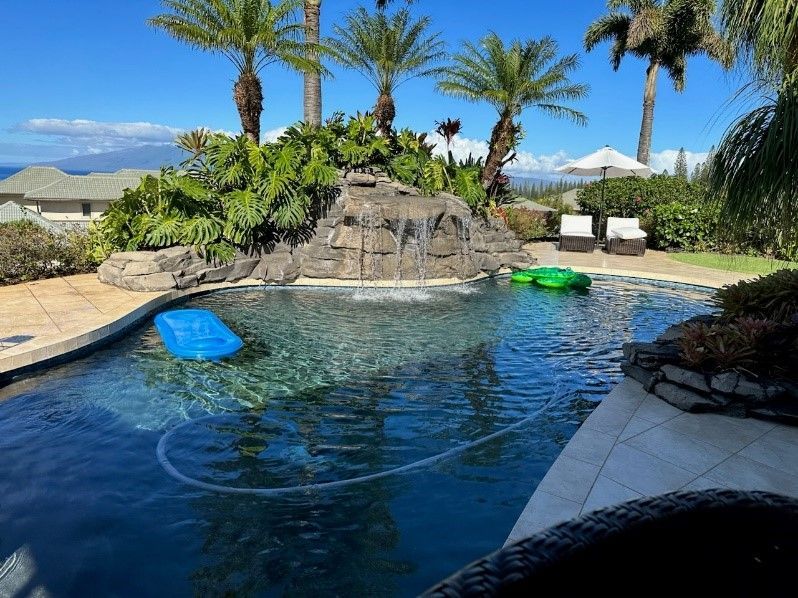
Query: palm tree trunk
[[384, 113], [501, 140], [312, 79], [647, 126], [248, 96]]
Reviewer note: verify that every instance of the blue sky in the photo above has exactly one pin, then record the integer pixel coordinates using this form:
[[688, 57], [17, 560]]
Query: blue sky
[[97, 61]]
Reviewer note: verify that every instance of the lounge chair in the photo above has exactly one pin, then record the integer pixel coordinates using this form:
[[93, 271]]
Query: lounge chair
[[576, 234], [625, 237]]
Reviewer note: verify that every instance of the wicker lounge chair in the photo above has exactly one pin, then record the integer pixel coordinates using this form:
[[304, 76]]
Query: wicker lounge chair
[[708, 543], [625, 237], [576, 234]]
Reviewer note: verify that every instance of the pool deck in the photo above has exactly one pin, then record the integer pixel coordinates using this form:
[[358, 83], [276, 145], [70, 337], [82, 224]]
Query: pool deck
[[635, 445]]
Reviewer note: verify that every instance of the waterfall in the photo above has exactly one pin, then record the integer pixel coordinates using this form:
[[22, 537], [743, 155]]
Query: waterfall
[[399, 235], [464, 234], [368, 219], [423, 231]]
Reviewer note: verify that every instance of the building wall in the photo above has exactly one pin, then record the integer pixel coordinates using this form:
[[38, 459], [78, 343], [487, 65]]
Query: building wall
[[65, 211]]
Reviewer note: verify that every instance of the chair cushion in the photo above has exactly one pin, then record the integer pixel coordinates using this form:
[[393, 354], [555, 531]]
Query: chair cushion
[[592, 236], [627, 233]]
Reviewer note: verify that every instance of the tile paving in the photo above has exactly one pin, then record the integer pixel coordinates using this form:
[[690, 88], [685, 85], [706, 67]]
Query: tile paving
[[636, 445]]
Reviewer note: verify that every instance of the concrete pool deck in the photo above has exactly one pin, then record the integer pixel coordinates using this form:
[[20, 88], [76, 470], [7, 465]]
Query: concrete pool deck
[[634, 444]]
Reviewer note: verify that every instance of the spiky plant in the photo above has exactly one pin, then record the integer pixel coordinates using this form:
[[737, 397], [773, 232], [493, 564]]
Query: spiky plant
[[665, 33], [448, 129], [387, 51], [252, 34], [512, 78], [755, 169]]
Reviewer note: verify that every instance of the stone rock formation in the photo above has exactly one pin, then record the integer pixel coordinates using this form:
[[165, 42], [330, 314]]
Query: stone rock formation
[[376, 230]]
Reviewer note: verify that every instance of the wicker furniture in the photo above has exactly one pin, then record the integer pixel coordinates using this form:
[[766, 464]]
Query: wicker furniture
[[617, 244], [576, 234], [708, 543]]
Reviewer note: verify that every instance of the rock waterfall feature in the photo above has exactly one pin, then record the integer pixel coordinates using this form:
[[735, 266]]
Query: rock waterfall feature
[[375, 233]]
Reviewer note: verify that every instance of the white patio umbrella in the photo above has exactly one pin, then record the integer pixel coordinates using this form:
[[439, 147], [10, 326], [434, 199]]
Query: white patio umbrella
[[606, 163]]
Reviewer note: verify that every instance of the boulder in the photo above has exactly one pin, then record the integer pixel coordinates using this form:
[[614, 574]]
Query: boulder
[[725, 382], [132, 256], [647, 378], [187, 282], [685, 377], [141, 268], [109, 273], [684, 399], [361, 179], [215, 274], [174, 259], [162, 281], [242, 268]]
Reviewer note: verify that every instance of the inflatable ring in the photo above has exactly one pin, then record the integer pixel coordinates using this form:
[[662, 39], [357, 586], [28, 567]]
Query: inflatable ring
[[553, 278]]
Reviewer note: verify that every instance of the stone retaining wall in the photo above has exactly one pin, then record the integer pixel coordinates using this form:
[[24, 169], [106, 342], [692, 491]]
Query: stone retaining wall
[[658, 367]]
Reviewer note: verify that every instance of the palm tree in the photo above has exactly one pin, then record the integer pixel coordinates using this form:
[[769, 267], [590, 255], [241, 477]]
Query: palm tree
[[755, 169], [312, 96], [665, 33], [252, 34], [387, 50], [513, 78]]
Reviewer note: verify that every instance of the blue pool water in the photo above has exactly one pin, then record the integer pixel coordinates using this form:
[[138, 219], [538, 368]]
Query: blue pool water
[[330, 385]]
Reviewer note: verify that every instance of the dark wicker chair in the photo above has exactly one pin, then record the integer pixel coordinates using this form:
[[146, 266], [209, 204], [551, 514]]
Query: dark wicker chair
[[576, 234], [709, 543], [617, 246]]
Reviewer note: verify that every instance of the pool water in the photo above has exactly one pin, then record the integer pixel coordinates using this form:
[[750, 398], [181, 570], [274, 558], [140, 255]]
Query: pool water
[[331, 385]]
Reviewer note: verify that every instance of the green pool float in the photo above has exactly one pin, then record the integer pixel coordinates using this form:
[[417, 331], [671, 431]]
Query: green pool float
[[553, 278]]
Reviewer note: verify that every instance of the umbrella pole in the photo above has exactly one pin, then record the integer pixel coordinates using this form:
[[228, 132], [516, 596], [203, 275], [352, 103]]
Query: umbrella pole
[[601, 207]]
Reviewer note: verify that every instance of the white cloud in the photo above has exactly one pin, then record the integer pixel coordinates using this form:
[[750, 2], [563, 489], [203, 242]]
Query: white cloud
[[526, 163], [82, 136], [666, 160]]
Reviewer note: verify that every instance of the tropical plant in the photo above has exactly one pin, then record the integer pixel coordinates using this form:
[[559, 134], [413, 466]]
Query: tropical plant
[[387, 51], [512, 78], [252, 34], [312, 78], [688, 225], [238, 195], [773, 297], [725, 346], [755, 169], [665, 33], [448, 129]]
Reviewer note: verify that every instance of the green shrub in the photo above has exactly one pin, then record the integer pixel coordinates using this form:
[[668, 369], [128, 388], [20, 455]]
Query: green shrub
[[739, 343], [30, 252], [634, 197], [691, 226], [528, 225]]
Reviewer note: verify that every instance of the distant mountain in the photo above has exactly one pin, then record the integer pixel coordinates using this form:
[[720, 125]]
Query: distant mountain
[[147, 157]]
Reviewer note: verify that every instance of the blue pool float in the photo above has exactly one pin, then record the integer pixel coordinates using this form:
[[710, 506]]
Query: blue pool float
[[196, 334]]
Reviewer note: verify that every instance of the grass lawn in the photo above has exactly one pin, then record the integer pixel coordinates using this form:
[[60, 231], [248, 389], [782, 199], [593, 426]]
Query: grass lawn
[[733, 263]]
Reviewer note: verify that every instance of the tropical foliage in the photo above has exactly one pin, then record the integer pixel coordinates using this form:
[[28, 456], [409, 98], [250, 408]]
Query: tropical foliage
[[755, 169], [233, 195], [665, 33], [30, 252], [512, 78], [387, 50], [252, 34]]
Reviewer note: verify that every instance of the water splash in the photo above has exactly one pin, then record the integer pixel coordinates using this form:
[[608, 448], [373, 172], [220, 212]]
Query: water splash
[[464, 234], [399, 235], [368, 219], [423, 232]]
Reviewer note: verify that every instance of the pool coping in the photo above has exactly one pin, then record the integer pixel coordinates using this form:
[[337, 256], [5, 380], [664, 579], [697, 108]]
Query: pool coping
[[36, 355]]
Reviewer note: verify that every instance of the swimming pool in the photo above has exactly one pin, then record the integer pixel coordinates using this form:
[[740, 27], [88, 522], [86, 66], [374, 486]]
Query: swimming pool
[[331, 385]]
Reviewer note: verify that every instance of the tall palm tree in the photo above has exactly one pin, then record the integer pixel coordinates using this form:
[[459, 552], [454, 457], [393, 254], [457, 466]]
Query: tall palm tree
[[252, 34], [755, 169], [513, 78], [665, 33], [312, 96], [387, 50]]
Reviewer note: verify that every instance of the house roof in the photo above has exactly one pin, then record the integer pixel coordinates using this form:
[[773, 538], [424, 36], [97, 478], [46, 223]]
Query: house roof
[[532, 206], [128, 172], [13, 212], [87, 188], [30, 179]]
